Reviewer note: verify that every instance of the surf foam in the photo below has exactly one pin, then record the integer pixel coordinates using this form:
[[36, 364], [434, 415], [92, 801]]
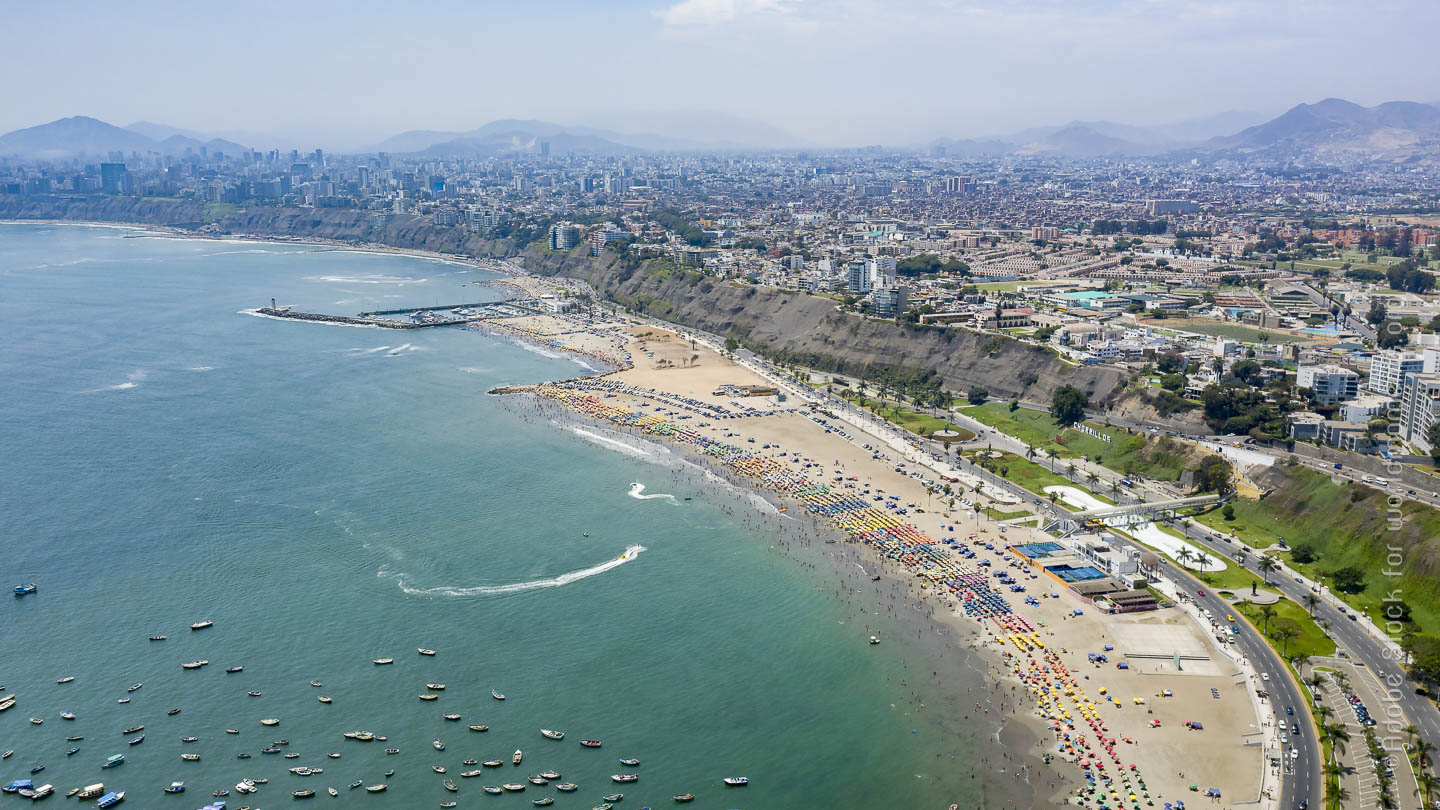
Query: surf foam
[[637, 491]]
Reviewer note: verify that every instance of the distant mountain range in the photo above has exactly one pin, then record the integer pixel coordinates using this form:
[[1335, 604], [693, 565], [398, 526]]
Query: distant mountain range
[[1328, 130], [84, 136]]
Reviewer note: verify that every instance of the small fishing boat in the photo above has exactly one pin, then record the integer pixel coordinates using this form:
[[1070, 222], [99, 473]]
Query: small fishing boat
[[71, 738], [590, 743], [613, 797], [219, 793], [233, 670], [133, 729], [604, 806], [332, 791], [438, 768], [6, 753], [66, 679], [316, 684], [157, 638], [392, 751], [470, 774], [493, 763], [67, 715], [253, 693], [447, 804], [736, 781], [470, 762], [194, 665], [435, 687], [123, 700], [685, 797], [424, 651], [568, 787], [243, 755], [552, 735], [515, 758], [384, 661], [232, 731], [513, 787], [72, 751], [631, 761], [380, 788], [389, 773], [429, 696], [202, 625], [189, 739], [355, 784], [548, 800], [173, 712], [176, 787], [270, 721], [292, 756], [625, 777], [25, 590], [271, 750], [114, 760], [496, 695], [111, 799], [303, 794], [439, 746], [190, 757], [92, 791], [451, 717], [37, 769], [492, 789], [449, 785], [479, 728], [536, 780], [71, 792], [552, 775], [36, 721], [134, 687], [333, 755], [323, 699]]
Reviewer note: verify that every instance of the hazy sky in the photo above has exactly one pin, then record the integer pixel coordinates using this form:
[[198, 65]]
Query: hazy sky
[[830, 71]]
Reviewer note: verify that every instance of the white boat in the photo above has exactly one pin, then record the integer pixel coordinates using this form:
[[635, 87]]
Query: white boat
[[515, 759], [202, 625], [375, 788], [424, 651], [736, 781], [383, 661], [270, 721], [553, 735]]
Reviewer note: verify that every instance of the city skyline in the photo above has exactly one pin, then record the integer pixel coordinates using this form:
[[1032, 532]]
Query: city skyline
[[844, 73]]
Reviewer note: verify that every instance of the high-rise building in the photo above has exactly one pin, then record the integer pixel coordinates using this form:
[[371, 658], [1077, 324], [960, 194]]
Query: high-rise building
[[1330, 384], [112, 178], [1419, 409], [857, 276], [564, 236], [890, 300], [1388, 370], [544, 149]]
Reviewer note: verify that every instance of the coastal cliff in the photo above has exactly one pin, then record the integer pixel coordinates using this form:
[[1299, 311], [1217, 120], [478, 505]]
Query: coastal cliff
[[798, 327]]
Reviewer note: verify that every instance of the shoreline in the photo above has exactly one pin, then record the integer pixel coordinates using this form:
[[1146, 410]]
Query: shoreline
[[842, 567]]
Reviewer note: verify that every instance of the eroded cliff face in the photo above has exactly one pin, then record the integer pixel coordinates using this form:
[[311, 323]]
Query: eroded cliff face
[[805, 328], [812, 330]]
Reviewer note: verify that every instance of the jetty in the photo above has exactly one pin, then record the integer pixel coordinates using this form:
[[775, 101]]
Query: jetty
[[417, 317]]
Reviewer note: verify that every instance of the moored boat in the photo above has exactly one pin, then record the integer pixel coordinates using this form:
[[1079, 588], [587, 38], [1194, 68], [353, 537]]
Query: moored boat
[[201, 625], [332, 791], [194, 665], [303, 794], [113, 760], [493, 763], [492, 789], [537, 780], [548, 800], [515, 758], [357, 783], [439, 746], [173, 712], [684, 797], [513, 787], [392, 751], [73, 751], [323, 699], [438, 768], [736, 781], [553, 735], [631, 761], [384, 661], [133, 687], [67, 715], [157, 638], [551, 775], [270, 721], [190, 757], [94, 791], [429, 696], [590, 743], [66, 679], [613, 797], [470, 774], [176, 787], [233, 670], [424, 651], [625, 777], [25, 590], [133, 729], [435, 687], [497, 695], [253, 693], [136, 740], [451, 717], [189, 739], [479, 728], [568, 787], [380, 788], [111, 799], [449, 785]]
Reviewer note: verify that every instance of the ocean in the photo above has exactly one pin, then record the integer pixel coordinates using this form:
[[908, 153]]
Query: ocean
[[328, 495]]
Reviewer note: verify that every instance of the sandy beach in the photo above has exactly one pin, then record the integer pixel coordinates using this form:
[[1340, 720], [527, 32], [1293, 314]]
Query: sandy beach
[[1023, 669]]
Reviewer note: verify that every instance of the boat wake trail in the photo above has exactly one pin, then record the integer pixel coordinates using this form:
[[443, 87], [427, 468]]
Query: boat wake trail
[[637, 491], [616, 444], [631, 553]]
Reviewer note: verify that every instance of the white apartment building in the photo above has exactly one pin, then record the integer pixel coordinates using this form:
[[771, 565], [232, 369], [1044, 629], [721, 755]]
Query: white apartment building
[[1419, 409], [1388, 370], [1331, 384]]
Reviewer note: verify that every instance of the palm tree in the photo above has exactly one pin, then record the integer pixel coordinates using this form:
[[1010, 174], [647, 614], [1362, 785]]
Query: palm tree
[[1203, 560], [1266, 563], [1285, 634], [1338, 736], [1310, 600], [1029, 453], [1053, 495], [1425, 787], [1070, 471], [1300, 660], [1091, 478], [1185, 556], [1114, 487], [1422, 752], [1340, 795], [1315, 681], [1268, 612]]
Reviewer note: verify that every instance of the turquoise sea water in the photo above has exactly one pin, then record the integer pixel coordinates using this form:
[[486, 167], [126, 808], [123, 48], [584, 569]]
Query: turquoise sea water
[[328, 495]]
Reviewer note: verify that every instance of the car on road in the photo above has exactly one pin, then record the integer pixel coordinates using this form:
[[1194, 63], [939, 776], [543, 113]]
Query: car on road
[[1265, 676], [1199, 591], [1290, 710], [1229, 617]]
